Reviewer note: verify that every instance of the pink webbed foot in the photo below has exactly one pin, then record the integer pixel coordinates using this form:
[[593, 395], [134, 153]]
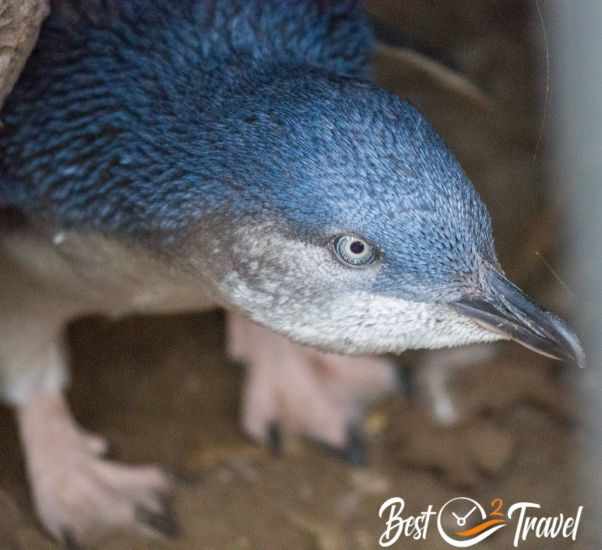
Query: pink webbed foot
[[80, 497], [295, 390]]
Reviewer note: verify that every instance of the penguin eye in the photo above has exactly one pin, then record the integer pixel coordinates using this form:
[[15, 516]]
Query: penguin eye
[[354, 251]]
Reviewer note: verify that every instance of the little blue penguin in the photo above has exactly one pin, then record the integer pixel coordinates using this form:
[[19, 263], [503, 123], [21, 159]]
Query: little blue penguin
[[168, 156]]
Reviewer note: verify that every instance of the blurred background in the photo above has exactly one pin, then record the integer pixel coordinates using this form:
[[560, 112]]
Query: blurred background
[[482, 423]]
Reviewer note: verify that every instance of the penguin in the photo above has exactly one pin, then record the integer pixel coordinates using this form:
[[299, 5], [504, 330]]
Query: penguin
[[168, 156]]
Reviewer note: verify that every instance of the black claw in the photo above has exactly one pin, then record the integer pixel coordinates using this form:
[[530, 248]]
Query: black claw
[[69, 542], [274, 439], [355, 451], [163, 522], [406, 381]]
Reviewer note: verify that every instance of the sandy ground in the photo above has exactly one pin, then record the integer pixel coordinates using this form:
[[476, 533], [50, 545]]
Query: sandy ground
[[162, 390]]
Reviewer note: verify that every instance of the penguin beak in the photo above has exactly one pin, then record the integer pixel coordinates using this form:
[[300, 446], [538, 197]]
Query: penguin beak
[[506, 310]]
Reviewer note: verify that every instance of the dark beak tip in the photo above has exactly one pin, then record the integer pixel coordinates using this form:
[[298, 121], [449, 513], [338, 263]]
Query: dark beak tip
[[507, 311], [569, 342], [576, 355]]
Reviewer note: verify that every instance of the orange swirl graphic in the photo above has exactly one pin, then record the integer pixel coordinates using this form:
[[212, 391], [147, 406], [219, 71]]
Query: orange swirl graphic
[[477, 529]]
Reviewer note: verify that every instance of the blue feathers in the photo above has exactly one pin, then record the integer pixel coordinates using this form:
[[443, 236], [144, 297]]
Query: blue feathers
[[138, 118], [117, 122]]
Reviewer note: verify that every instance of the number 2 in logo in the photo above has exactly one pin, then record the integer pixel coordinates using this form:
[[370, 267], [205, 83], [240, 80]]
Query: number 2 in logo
[[497, 505]]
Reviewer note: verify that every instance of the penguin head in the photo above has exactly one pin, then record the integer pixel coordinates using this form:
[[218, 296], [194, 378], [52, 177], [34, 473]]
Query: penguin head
[[356, 230]]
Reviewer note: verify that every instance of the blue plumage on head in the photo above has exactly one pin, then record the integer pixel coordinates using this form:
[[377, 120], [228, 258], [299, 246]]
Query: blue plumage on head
[[139, 117], [117, 115]]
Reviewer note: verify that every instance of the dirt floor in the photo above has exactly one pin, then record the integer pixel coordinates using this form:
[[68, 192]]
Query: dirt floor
[[162, 390]]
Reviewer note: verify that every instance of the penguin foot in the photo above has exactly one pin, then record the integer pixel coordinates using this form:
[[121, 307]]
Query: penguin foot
[[80, 497], [292, 390]]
